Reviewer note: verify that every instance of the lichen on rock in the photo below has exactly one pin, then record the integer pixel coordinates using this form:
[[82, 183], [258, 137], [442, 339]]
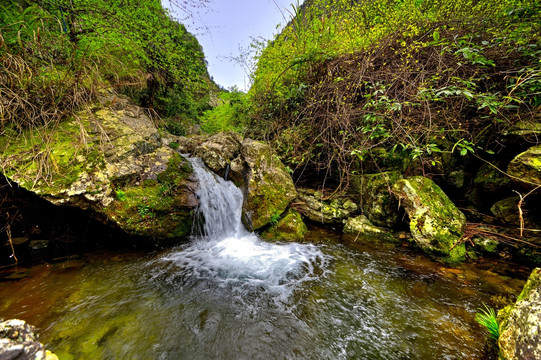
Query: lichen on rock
[[362, 227], [267, 185], [525, 168], [435, 222], [18, 340], [108, 149], [376, 200], [219, 150], [520, 327], [289, 228], [327, 211]]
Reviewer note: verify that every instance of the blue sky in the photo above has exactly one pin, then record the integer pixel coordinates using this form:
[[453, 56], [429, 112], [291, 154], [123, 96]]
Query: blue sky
[[230, 25]]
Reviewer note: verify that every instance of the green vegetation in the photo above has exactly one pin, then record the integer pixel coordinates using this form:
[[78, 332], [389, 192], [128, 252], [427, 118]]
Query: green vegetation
[[388, 84], [56, 55], [59, 56], [487, 318], [230, 115]]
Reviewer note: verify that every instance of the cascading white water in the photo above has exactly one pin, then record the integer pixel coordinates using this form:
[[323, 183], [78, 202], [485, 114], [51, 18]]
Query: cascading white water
[[224, 252], [220, 205]]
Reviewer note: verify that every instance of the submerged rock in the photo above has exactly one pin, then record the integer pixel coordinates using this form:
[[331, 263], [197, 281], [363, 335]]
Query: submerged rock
[[289, 228], [361, 226], [435, 222], [520, 330], [525, 168], [18, 340], [328, 211], [111, 159]]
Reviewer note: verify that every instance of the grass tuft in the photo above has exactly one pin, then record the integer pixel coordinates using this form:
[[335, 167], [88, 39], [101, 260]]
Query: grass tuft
[[487, 318]]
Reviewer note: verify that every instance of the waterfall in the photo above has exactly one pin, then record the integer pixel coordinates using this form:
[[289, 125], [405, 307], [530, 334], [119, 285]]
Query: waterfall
[[223, 251], [220, 205]]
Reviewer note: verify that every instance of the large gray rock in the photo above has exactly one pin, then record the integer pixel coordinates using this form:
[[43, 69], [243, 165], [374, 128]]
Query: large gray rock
[[435, 222], [109, 158], [520, 330], [525, 168], [18, 341], [219, 150]]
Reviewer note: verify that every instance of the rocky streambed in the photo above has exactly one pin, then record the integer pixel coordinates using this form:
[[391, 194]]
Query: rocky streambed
[[110, 177]]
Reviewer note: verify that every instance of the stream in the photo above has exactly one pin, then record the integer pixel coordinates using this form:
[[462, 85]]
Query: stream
[[228, 295]]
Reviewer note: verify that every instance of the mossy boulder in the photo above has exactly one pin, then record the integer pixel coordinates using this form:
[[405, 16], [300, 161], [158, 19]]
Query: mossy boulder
[[436, 224], [525, 168], [377, 201], [507, 211], [520, 324], [360, 226], [491, 180], [266, 183], [109, 158], [332, 210], [289, 228]]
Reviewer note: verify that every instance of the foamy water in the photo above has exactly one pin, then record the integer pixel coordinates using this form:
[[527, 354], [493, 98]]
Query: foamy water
[[225, 253]]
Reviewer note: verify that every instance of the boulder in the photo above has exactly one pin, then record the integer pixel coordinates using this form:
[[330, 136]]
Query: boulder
[[289, 228], [525, 168], [328, 211], [377, 201], [490, 180], [109, 158], [219, 150], [529, 129], [435, 222], [361, 226], [266, 183], [520, 324], [507, 211], [18, 340]]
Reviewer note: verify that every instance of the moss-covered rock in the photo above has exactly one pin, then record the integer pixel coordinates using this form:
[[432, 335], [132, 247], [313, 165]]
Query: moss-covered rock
[[329, 211], [361, 226], [506, 210], [109, 158], [520, 324], [525, 168], [435, 222], [377, 201], [289, 228], [266, 183], [491, 180]]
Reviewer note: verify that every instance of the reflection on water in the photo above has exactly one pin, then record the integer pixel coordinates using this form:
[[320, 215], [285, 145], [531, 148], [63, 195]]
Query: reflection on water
[[244, 299]]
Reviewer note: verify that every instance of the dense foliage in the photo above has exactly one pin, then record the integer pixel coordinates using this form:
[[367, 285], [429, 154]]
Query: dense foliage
[[56, 54], [384, 83]]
